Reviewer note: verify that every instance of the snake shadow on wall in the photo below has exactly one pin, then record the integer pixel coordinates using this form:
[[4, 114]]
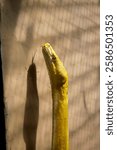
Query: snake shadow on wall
[[31, 113]]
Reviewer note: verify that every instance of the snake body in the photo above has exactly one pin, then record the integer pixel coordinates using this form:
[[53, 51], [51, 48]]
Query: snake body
[[59, 86]]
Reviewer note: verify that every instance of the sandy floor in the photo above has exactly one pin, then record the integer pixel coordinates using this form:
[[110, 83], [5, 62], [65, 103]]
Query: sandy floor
[[72, 28]]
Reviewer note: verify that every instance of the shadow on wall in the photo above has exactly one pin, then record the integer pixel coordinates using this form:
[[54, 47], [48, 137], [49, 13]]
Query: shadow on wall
[[31, 113]]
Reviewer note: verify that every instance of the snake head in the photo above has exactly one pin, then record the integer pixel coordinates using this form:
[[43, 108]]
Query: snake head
[[57, 72]]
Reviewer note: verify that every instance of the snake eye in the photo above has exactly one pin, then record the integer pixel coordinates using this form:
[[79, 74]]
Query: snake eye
[[53, 58]]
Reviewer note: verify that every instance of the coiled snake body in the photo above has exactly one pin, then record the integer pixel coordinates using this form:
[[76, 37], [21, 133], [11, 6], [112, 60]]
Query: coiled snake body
[[59, 85]]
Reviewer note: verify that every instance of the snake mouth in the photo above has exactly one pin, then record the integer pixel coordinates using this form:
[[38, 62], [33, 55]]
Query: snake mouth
[[49, 56], [48, 52], [47, 49]]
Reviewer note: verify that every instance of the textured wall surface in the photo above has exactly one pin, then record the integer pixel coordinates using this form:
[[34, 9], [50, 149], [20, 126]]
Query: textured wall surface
[[72, 28]]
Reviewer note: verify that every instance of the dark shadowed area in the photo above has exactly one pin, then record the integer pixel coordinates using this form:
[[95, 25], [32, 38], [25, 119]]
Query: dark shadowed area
[[31, 114], [2, 109], [72, 28]]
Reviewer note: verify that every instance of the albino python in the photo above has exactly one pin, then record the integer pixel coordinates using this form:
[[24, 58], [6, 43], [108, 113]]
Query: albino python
[[59, 85]]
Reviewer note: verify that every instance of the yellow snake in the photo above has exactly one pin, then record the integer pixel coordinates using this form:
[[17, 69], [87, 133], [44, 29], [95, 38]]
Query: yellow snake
[[59, 85]]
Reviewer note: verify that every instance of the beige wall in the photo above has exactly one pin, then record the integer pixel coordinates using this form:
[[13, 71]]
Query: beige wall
[[72, 28]]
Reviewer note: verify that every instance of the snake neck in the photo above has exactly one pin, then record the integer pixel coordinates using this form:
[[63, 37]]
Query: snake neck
[[60, 119]]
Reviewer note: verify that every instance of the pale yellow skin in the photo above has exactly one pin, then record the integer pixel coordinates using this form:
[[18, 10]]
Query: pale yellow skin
[[59, 84]]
